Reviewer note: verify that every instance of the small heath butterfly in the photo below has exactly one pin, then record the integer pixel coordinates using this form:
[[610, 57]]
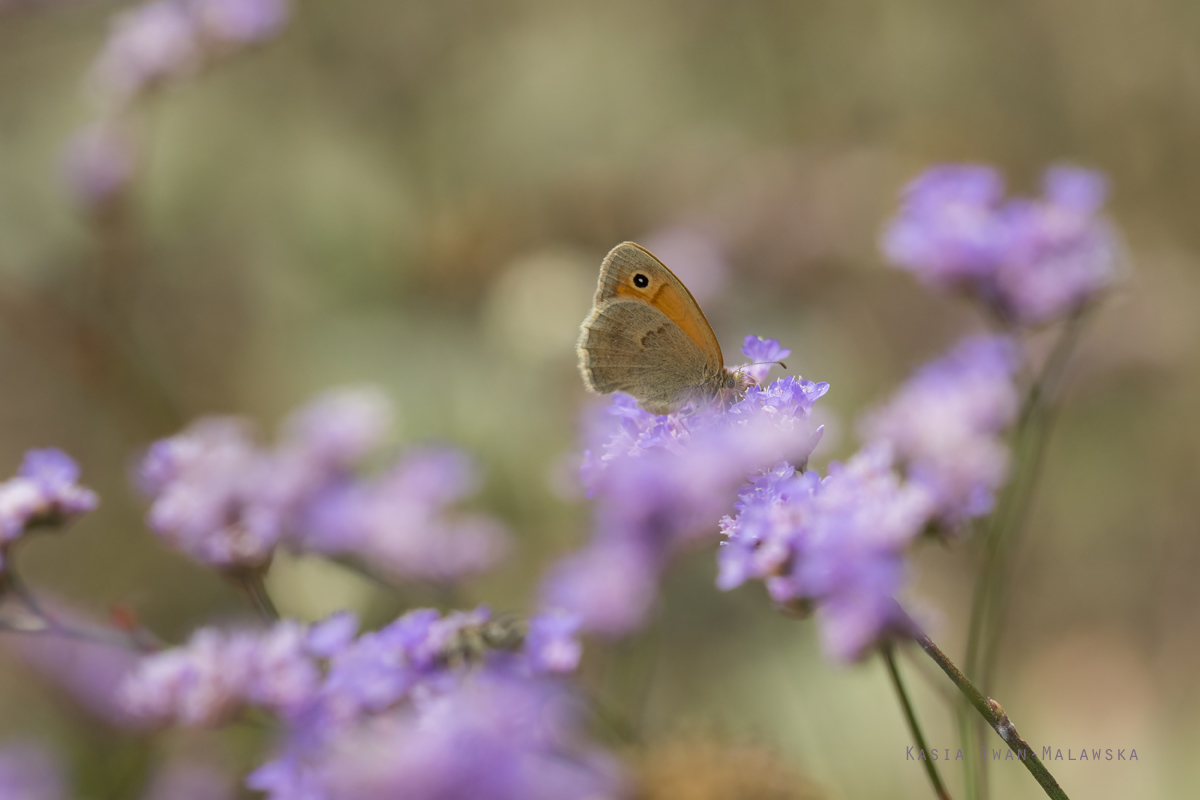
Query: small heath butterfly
[[647, 337]]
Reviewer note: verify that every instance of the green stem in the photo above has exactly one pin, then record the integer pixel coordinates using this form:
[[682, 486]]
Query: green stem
[[256, 590], [889, 656], [1029, 445], [990, 710]]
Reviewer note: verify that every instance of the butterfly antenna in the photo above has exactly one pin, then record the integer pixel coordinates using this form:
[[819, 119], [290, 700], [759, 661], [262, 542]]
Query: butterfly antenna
[[756, 363]]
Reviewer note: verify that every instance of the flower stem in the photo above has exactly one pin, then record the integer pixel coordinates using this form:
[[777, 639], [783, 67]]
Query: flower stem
[[990, 710], [990, 597], [889, 656], [256, 590]]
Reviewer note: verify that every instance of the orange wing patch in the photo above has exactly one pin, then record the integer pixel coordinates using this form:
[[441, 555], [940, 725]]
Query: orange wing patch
[[681, 310]]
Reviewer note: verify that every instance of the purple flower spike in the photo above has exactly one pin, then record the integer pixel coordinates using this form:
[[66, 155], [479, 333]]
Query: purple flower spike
[[147, 44]]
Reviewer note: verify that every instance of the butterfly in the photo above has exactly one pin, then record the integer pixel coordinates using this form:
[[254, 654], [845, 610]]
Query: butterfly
[[646, 336]]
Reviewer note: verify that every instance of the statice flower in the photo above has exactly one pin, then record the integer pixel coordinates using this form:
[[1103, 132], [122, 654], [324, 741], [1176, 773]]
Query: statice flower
[[207, 487], [945, 425], [227, 500], [148, 43], [27, 772], [662, 482], [495, 737], [835, 545], [399, 522], [1029, 261], [45, 492]]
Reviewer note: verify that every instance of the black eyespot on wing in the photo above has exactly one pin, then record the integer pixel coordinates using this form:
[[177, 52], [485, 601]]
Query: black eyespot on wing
[[641, 281]]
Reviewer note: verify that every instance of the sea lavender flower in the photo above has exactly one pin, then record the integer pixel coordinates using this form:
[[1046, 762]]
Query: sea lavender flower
[[1029, 261], [945, 425], [148, 43], [239, 22], [835, 545], [661, 484], [493, 737], [1058, 252], [207, 487], [45, 492], [209, 680], [27, 772], [399, 522]]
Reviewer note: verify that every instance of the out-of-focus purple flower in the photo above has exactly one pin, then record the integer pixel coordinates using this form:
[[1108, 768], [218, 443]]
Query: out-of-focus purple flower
[[836, 545], [339, 428], [207, 486], [239, 22], [28, 772], [44, 492], [181, 779], [399, 523], [945, 425], [662, 483], [227, 501], [552, 644], [1029, 261], [1058, 253], [946, 231], [216, 674], [494, 737], [147, 44], [99, 163]]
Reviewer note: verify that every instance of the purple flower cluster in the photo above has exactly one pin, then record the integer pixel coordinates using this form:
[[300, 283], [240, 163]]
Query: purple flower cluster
[[945, 425], [661, 482], [836, 545], [443, 706], [150, 45], [166, 39], [44, 492], [1029, 261], [228, 501]]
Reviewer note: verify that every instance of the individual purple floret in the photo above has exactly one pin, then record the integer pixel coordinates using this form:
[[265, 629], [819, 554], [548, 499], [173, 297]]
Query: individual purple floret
[[835, 545], [44, 492], [1029, 261], [27, 772], [552, 643], [662, 482], [946, 423], [761, 352]]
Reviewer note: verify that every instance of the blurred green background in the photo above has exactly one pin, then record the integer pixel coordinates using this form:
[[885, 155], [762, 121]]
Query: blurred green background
[[419, 194]]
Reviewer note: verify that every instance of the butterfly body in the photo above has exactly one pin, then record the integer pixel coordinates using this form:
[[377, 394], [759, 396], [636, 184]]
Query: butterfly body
[[646, 336]]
